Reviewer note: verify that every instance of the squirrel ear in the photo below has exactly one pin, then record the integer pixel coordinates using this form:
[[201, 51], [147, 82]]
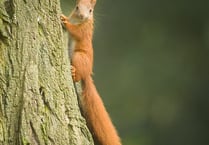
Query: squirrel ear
[[93, 2], [77, 1]]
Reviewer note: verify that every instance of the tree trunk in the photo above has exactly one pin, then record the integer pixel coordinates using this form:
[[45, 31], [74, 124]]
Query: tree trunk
[[38, 102]]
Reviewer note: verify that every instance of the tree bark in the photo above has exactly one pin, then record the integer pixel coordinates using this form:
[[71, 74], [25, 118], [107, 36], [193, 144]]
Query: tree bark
[[38, 102]]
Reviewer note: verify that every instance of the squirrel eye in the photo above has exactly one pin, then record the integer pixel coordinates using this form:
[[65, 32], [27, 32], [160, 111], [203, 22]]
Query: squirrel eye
[[76, 7], [90, 10]]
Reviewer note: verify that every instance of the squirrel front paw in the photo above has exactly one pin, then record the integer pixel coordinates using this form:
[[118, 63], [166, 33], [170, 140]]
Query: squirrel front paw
[[64, 19]]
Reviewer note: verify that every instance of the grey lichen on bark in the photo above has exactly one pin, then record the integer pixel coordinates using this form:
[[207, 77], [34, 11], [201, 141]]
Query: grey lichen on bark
[[38, 102]]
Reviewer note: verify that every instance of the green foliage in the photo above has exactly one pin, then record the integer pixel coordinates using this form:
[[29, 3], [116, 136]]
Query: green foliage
[[151, 69]]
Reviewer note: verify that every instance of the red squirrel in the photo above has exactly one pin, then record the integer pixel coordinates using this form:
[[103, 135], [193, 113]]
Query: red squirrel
[[80, 27]]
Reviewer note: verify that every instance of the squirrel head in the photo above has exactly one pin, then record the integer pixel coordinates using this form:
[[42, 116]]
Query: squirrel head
[[83, 11]]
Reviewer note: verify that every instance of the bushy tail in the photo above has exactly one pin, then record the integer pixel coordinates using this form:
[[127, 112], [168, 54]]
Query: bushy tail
[[98, 120]]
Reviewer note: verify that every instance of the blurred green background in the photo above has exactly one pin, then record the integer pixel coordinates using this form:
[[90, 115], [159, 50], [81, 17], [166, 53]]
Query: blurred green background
[[152, 68]]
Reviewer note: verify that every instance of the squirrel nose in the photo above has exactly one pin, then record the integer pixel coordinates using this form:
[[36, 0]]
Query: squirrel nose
[[81, 16]]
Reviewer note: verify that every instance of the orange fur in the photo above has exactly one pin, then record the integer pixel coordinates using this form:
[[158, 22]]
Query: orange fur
[[98, 120]]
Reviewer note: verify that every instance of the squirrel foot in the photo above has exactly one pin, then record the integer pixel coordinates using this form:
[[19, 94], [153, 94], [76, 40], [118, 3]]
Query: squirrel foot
[[73, 72], [76, 77]]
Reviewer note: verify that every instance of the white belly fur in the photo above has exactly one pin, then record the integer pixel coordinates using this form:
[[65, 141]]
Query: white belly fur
[[71, 46]]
